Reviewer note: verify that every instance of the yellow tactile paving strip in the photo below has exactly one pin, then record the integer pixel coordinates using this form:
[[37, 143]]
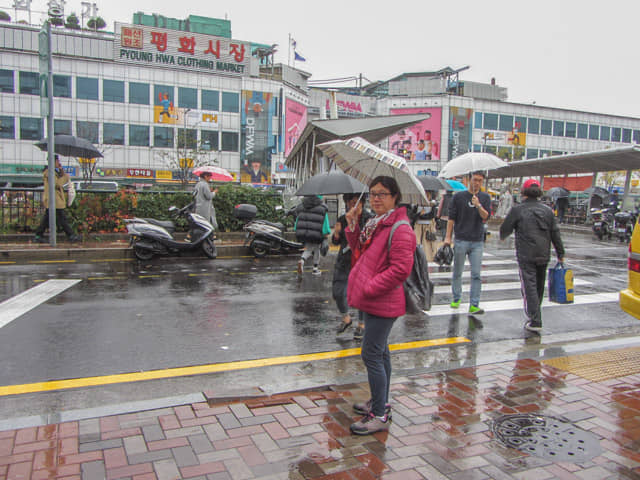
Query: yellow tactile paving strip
[[600, 366]]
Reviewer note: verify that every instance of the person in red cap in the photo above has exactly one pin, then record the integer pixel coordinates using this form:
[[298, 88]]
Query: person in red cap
[[536, 229]]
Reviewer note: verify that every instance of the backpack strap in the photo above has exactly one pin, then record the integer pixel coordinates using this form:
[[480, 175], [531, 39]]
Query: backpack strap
[[394, 228]]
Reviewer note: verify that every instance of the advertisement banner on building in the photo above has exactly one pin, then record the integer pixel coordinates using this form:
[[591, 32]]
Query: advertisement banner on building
[[258, 142], [295, 121], [419, 142], [459, 131], [160, 47]]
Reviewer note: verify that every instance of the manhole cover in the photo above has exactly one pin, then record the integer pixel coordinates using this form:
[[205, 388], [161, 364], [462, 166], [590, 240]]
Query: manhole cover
[[546, 437]]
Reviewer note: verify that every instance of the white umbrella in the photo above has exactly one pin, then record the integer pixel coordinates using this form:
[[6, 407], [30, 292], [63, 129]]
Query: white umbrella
[[471, 162], [363, 161]]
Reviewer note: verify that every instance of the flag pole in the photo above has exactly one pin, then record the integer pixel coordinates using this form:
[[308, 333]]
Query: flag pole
[[289, 52]]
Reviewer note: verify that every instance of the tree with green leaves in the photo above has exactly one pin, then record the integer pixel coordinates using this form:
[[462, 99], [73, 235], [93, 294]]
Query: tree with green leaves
[[72, 22], [96, 23]]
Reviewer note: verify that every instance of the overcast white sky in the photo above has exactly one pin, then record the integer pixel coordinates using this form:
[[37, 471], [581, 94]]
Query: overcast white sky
[[570, 54]]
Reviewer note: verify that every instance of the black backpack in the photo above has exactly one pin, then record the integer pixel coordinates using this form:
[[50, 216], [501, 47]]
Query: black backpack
[[418, 289]]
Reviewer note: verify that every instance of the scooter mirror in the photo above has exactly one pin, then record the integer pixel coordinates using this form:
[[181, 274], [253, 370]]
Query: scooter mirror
[[278, 208], [173, 209]]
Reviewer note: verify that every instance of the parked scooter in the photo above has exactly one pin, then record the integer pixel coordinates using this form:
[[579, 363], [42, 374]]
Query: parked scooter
[[603, 220], [264, 237], [623, 225], [151, 237]]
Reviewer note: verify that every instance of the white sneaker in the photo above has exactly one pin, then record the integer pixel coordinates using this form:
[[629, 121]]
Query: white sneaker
[[316, 271]]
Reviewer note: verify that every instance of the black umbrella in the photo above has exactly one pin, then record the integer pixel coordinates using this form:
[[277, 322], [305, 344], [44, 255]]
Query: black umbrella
[[597, 191], [332, 183], [434, 184], [70, 146], [558, 192]]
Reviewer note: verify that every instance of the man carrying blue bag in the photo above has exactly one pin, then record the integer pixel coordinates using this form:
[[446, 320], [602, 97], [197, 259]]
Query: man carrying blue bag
[[536, 229]]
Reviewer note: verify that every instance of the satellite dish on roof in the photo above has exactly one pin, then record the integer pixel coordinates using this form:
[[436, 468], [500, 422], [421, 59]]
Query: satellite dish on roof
[[55, 12]]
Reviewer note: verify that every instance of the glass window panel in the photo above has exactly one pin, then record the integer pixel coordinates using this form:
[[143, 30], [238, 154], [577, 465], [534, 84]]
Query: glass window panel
[[490, 121], [30, 128], [210, 100], [139, 93], [557, 152], [506, 123], [545, 127], [230, 103], [477, 147], [594, 132], [209, 140], [229, 141], [616, 134], [558, 128], [570, 130], [636, 136], [87, 88], [88, 130], [29, 84], [583, 130], [163, 137], [477, 120], [6, 81], [113, 91], [62, 86], [605, 133], [187, 97], [532, 153], [139, 135], [7, 127], [191, 137], [162, 93], [533, 126], [113, 134], [626, 135], [62, 127], [491, 149], [544, 153], [521, 124]]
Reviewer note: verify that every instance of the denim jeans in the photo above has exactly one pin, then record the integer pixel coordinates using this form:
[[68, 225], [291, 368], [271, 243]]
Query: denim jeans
[[461, 249], [377, 359]]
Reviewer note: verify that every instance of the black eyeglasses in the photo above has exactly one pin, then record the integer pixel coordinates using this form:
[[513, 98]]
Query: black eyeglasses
[[379, 195]]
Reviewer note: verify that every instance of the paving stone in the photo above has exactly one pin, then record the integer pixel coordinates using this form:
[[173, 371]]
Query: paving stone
[[166, 469], [145, 457], [200, 443], [102, 445], [228, 421], [93, 470], [152, 433], [185, 457]]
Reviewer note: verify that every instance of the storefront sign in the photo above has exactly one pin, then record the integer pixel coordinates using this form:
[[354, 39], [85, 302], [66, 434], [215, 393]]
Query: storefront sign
[[164, 175], [295, 121], [459, 131], [421, 141], [258, 142], [139, 173], [141, 44]]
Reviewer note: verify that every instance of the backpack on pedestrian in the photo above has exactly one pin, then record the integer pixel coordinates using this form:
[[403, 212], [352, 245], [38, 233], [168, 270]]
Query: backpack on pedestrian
[[418, 289]]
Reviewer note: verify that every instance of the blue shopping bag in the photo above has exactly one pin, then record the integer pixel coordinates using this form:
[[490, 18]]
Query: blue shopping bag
[[560, 284]]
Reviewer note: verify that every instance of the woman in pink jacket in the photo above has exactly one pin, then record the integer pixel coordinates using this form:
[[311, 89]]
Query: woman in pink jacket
[[375, 288]]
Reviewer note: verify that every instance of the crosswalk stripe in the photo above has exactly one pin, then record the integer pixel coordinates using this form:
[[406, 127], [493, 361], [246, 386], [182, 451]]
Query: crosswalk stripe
[[485, 273], [492, 287]]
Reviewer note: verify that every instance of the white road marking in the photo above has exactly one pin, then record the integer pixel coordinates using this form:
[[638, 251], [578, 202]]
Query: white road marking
[[20, 304], [492, 287]]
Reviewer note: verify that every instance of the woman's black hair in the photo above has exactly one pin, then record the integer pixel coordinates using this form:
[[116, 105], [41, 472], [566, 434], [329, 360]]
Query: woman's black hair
[[390, 184], [532, 192]]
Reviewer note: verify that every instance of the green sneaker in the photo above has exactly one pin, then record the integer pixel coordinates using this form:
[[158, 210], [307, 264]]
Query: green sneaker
[[475, 310], [455, 304]]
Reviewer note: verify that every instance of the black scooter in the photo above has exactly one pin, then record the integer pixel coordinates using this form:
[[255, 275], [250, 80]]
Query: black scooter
[[151, 237], [264, 237], [623, 225]]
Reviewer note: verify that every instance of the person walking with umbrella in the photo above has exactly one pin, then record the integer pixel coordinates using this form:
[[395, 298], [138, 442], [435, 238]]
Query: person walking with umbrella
[[203, 198], [312, 226], [61, 180]]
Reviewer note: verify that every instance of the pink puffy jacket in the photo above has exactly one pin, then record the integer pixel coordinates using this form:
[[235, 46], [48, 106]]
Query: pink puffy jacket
[[375, 281]]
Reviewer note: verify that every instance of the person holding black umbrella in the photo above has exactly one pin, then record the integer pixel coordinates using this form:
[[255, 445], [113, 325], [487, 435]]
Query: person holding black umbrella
[[61, 180]]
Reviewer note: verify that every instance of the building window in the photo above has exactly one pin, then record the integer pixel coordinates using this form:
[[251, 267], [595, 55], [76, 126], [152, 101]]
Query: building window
[[62, 86], [113, 134], [209, 139], [7, 127], [544, 153], [491, 149], [62, 127], [190, 136], [6, 81], [570, 130], [87, 88], [210, 100], [139, 94], [558, 128], [626, 135], [636, 136], [187, 97], [88, 130], [30, 128], [490, 121], [230, 103], [163, 137], [162, 93], [594, 132], [532, 153], [605, 133], [29, 84], [477, 147], [113, 91], [583, 130], [533, 126], [229, 141], [520, 124], [545, 127], [477, 120], [139, 135], [506, 123], [616, 134]]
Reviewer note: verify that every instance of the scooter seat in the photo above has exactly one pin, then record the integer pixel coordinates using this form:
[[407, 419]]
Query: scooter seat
[[273, 224]]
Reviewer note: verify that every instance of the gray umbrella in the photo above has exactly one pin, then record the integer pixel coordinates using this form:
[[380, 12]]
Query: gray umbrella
[[70, 146], [434, 184], [558, 192], [332, 183], [597, 191]]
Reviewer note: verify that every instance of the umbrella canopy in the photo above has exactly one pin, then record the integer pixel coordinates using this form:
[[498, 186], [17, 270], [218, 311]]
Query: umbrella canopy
[[364, 161], [332, 183], [218, 174], [597, 191], [471, 162], [70, 146], [558, 192], [433, 184], [456, 186]]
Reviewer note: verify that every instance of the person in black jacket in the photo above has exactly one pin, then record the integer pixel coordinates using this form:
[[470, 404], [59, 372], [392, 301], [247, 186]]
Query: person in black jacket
[[312, 226], [536, 229]]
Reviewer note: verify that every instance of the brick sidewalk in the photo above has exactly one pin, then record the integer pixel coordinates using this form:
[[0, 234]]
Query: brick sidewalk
[[441, 429]]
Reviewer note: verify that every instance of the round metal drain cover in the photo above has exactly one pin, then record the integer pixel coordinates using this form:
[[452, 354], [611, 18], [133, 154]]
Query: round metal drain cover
[[546, 437]]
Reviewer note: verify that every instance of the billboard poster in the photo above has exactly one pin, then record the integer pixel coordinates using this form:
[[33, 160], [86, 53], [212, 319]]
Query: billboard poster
[[257, 139], [295, 121], [459, 131], [419, 142]]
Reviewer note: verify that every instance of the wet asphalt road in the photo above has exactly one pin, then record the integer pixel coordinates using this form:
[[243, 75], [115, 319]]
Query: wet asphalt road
[[130, 316]]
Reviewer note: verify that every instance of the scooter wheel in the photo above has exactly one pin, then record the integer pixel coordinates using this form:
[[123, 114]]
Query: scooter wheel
[[258, 250], [209, 248], [142, 253]]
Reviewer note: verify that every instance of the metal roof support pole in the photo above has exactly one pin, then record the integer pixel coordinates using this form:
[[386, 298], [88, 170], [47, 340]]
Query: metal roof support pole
[[627, 186], [313, 148]]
